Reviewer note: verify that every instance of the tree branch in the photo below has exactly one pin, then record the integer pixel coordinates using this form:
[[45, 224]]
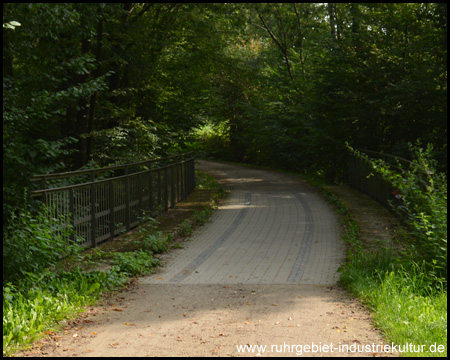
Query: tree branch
[[274, 38]]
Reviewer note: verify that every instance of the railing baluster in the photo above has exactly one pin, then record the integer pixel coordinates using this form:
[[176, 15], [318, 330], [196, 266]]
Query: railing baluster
[[112, 224], [93, 224], [91, 205]]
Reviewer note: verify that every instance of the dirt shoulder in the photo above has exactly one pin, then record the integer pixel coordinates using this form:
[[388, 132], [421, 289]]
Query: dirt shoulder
[[226, 320], [377, 225]]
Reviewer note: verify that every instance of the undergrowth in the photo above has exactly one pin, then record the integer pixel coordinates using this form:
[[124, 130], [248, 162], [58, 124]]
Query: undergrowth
[[408, 299]]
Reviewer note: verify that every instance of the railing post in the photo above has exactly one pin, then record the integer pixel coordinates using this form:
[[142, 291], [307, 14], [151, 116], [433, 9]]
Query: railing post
[[172, 185], [178, 181], [72, 213], [127, 200], [150, 188], [159, 189], [140, 195], [182, 179], [192, 166], [112, 223], [93, 222]]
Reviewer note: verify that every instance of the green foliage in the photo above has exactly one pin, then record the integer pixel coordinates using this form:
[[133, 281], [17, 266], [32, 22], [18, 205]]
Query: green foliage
[[32, 243], [408, 304], [200, 217], [273, 84], [150, 240], [408, 301], [39, 300], [205, 181], [136, 263], [421, 200], [210, 141]]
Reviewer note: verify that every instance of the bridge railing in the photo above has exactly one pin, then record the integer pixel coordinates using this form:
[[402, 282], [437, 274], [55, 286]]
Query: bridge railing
[[362, 176], [101, 209]]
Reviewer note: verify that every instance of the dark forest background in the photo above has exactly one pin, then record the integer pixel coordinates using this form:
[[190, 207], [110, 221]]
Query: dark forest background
[[286, 85]]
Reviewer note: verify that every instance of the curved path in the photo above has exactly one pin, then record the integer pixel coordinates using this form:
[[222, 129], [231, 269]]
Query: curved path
[[258, 274], [272, 229]]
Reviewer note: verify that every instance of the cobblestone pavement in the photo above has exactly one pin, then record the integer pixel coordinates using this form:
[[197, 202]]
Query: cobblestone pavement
[[271, 229]]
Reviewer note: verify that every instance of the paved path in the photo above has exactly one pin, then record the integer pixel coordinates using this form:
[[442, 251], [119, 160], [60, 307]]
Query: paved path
[[257, 274], [272, 229]]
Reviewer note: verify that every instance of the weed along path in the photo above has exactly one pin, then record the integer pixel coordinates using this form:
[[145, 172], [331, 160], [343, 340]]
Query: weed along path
[[258, 279]]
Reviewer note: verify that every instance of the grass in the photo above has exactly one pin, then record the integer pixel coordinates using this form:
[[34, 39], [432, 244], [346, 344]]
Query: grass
[[408, 303]]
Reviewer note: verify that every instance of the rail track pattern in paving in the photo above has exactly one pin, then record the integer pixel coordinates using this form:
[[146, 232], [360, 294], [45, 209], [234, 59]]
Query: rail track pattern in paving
[[271, 229]]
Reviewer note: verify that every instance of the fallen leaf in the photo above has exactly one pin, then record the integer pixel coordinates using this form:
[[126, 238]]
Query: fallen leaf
[[274, 304], [75, 335], [159, 278], [94, 333], [246, 323], [116, 309], [249, 304], [339, 330]]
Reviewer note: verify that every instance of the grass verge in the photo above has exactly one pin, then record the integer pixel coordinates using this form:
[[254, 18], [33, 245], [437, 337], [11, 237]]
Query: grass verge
[[408, 303]]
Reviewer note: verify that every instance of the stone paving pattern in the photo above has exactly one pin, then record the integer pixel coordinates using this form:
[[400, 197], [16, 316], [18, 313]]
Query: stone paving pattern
[[271, 229]]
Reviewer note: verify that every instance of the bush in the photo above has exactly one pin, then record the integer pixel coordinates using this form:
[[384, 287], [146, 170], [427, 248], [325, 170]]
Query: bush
[[32, 243], [421, 201]]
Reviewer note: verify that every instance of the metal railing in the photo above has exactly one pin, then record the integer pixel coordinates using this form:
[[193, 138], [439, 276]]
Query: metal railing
[[363, 177], [101, 209]]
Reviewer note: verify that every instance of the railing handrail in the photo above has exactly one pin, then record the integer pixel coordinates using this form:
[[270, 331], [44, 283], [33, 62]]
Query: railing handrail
[[387, 155], [100, 170], [409, 162], [36, 193]]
